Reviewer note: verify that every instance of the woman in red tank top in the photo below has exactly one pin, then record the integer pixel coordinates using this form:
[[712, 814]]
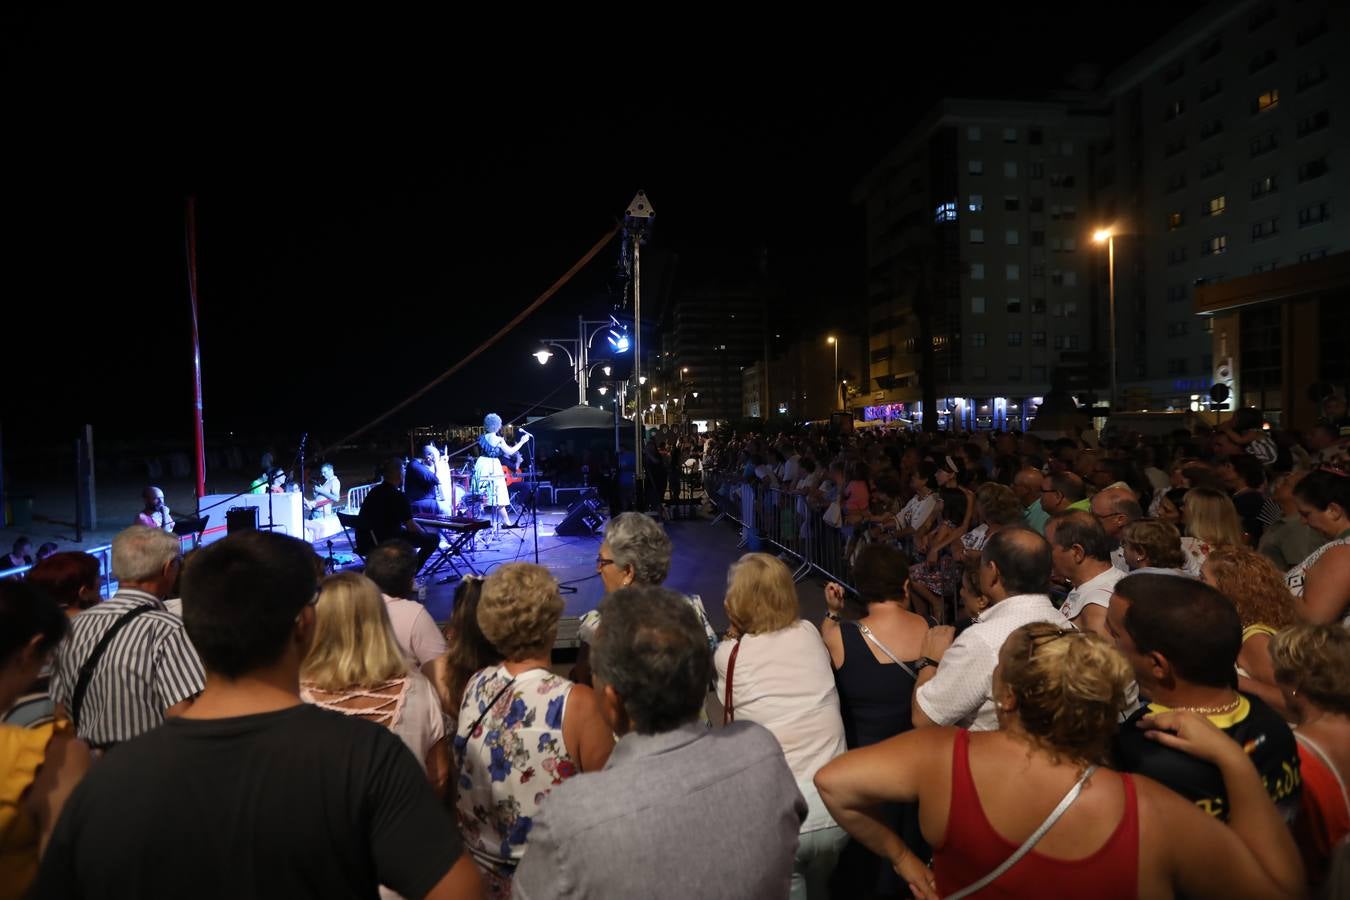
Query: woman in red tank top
[[982, 795]]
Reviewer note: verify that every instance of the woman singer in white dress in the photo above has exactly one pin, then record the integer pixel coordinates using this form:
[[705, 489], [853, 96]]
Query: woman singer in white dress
[[489, 479]]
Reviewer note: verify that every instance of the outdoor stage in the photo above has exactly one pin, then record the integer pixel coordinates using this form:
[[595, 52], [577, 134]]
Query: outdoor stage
[[702, 554]]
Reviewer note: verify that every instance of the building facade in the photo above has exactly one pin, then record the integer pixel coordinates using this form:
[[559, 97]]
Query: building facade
[[1227, 158], [978, 243]]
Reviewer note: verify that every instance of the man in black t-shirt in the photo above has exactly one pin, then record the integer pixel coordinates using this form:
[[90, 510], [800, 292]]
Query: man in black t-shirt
[[252, 793], [1182, 638], [386, 513]]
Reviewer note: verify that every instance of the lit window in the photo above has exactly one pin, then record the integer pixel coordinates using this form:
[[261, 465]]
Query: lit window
[[946, 212], [976, 203], [1217, 244], [1266, 100], [1174, 221], [1216, 205]]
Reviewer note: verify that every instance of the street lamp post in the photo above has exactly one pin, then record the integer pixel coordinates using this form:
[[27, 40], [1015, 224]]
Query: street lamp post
[[1109, 237], [578, 350], [831, 339]]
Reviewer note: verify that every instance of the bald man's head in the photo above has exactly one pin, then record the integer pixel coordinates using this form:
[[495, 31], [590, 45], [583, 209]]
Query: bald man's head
[[1115, 508], [1027, 485]]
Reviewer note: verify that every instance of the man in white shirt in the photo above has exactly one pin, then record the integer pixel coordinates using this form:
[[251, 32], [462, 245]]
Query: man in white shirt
[[1116, 507], [955, 676], [1080, 553], [393, 567]]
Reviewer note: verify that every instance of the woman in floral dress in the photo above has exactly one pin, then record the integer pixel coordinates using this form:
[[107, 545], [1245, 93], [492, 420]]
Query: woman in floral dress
[[521, 729]]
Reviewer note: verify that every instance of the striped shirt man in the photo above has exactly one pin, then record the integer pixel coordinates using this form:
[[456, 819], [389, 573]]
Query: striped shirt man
[[149, 666]]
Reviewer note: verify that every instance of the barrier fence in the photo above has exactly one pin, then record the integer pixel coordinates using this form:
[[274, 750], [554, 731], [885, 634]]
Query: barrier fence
[[103, 553], [782, 520]]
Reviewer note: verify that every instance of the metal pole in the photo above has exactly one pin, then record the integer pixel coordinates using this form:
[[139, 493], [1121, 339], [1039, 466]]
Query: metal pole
[[583, 362], [836, 370], [1111, 277], [637, 355], [199, 432]]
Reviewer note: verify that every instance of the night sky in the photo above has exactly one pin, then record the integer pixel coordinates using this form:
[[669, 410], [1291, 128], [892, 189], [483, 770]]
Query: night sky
[[376, 198]]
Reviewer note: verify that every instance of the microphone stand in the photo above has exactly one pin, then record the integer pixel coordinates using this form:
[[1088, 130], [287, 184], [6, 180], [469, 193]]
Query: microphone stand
[[534, 515]]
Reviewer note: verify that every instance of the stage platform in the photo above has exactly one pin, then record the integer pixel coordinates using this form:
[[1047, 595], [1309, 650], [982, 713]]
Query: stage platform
[[703, 552]]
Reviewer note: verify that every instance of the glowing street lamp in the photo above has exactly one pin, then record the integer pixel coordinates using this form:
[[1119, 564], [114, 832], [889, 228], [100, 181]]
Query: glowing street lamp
[[543, 356]]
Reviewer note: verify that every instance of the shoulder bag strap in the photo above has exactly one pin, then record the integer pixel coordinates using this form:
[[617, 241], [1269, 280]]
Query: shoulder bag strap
[[867, 633], [90, 664], [1030, 842], [468, 735], [728, 711]]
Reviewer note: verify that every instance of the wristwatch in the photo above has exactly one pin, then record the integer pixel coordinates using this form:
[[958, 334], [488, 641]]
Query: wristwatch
[[925, 663], [831, 614]]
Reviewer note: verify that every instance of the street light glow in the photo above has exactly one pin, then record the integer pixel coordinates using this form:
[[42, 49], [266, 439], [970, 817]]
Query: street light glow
[[1101, 235], [830, 339], [543, 356]]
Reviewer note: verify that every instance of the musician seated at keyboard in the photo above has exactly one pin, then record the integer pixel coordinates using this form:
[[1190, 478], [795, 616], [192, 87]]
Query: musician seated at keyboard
[[386, 513]]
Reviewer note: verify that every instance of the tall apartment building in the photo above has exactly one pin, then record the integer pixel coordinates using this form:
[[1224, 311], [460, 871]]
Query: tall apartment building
[[1227, 158], [978, 240], [717, 333]]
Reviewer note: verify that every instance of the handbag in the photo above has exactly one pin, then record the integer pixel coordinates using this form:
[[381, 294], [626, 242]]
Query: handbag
[[833, 515], [1030, 842]]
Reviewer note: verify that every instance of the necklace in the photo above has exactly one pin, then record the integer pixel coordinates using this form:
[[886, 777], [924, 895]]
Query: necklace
[[1216, 710]]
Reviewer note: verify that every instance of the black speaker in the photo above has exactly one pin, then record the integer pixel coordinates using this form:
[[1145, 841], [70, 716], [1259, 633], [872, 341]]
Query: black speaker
[[582, 519], [241, 518]]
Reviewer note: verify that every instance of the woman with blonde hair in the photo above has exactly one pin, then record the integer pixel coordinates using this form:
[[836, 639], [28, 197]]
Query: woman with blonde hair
[[776, 671], [1264, 605], [1153, 545], [521, 729], [356, 667], [1211, 521], [1312, 666], [1041, 780]]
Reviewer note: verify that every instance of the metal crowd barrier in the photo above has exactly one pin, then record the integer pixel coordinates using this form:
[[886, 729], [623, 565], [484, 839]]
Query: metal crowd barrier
[[103, 553], [783, 521]]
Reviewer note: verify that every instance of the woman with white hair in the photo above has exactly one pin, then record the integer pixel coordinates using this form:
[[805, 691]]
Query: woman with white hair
[[489, 478], [637, 550]]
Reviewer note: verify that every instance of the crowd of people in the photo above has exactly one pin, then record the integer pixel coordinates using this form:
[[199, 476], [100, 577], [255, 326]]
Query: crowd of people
[[1056, 668]]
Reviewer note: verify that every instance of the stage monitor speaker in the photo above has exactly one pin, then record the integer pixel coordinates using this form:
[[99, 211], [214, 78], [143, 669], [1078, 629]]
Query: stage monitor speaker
[[582, 519], [241, 518]]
